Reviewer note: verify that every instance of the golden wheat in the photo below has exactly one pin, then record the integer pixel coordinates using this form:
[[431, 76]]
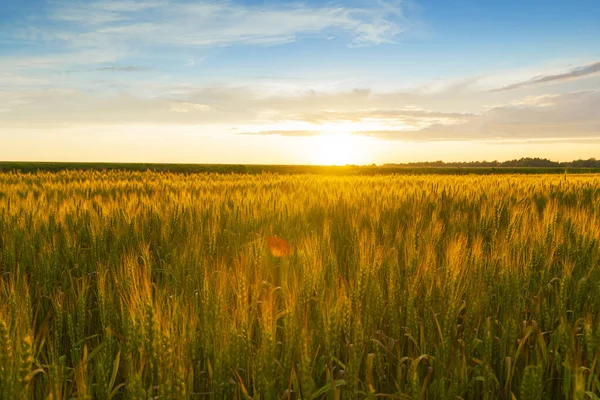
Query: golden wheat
[[143, 285]]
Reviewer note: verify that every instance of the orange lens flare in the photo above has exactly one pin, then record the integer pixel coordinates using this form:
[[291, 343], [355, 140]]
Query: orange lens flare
[[279, 247]]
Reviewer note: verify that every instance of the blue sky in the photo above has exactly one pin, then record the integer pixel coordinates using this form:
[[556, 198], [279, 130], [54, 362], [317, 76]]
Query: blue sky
[[298, 82]]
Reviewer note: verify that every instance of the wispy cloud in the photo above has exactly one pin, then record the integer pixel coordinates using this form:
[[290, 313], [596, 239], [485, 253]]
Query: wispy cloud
[[126, 68], [557, 117], [104, 23], [245, 107], [575, 73], [290, 133], [68, 44], [451, 112], [402, 114]]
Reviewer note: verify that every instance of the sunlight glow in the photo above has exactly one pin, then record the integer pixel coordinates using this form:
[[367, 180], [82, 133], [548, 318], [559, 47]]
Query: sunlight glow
[[339, 149]]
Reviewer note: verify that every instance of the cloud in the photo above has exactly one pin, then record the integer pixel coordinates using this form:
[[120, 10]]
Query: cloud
[[127, 68], [575, 73], [403, 114], [291, 133], [187, 107], [561, 116], [247, 107], [58, 60], [74, 44], [132, 24], [362, 111]]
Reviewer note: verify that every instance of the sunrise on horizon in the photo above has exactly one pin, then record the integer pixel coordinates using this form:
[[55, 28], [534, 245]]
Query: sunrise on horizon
[[299, 200], [308, 82]]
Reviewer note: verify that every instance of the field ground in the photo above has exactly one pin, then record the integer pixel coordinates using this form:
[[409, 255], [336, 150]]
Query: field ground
[[286, 169], [134, 285]]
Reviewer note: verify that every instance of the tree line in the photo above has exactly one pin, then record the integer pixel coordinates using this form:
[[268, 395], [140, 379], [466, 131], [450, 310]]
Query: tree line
[[521, 162]]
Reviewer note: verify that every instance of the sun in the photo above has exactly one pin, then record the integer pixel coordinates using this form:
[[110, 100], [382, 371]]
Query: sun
[[338, 149]]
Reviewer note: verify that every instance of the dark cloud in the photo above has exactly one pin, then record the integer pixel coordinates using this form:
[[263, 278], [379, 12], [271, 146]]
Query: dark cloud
[[574, 73], [567, 116]]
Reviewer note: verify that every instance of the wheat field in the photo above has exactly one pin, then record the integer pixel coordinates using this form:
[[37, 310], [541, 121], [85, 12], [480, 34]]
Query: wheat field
[[136, 285]]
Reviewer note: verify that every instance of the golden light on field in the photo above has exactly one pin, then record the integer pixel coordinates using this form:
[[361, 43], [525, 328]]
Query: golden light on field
[[339, 149], [360, 256]]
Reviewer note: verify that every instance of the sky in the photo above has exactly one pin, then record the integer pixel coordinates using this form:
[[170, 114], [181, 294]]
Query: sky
[[307, 82]]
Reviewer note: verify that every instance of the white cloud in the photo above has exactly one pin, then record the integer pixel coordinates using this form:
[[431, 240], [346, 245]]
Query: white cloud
[[59, 62], [104, 23], [71, 44], [397, 116], [187, 107]]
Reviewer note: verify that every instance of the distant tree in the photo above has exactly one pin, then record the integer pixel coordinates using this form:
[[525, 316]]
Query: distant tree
[[525, 162]]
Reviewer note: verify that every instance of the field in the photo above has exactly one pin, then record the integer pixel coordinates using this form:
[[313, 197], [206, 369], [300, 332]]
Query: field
[[135, 285], [347, 170]]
